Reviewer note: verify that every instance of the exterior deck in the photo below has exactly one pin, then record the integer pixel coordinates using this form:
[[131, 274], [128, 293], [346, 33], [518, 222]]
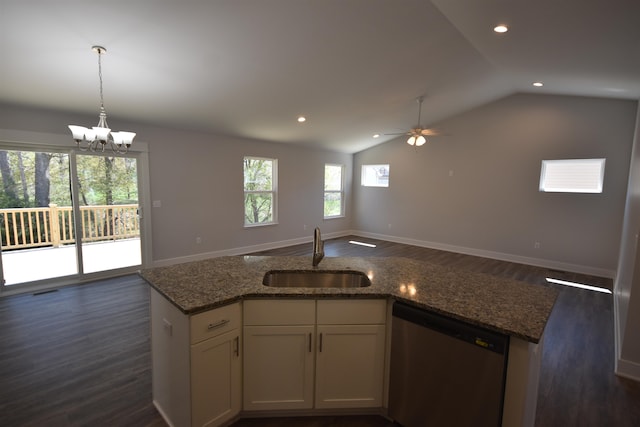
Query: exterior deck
[[26, 265]]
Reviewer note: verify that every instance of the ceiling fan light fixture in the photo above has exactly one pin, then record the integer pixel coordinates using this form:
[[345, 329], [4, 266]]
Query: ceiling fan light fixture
[[417, 134]]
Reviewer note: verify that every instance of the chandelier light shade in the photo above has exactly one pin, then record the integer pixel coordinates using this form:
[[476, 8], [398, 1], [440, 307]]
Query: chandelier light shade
[[98, 137]]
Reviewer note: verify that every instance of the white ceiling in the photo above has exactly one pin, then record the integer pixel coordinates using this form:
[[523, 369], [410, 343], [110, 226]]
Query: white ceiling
[[353, 67]]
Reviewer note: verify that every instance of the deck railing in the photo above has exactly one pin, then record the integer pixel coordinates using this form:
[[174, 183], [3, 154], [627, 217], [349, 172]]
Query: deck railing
[[23, 228]]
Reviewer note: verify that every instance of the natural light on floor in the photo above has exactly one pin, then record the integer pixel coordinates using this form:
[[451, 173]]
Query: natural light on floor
[[578, 285], [355, 242]]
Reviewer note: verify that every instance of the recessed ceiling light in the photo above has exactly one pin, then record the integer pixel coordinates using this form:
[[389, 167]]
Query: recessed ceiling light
[[377, 135], [302, 119], [538, 84], [501, 29]]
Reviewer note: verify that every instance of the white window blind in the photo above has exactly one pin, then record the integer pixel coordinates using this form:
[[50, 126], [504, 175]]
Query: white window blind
[[572, 176], [375, 176]]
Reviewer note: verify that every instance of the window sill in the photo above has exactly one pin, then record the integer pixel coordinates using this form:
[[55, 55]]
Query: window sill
[[266, 224]]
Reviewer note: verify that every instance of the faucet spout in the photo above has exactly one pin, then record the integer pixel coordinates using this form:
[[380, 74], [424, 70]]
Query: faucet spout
[[318, 247]]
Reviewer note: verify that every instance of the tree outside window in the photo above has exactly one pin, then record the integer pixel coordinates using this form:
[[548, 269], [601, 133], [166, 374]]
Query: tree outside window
[[333, 191], [260, 191]]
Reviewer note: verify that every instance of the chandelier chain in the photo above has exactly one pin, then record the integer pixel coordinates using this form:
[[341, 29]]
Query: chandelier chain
[[100, 77]]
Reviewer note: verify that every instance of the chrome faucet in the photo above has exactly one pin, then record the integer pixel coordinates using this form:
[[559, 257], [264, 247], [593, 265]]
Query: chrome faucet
[[318, 247]]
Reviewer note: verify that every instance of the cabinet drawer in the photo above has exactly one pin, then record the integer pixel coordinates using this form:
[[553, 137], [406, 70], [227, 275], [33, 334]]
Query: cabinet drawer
[[215, 322], [280, 312], [352, 312]]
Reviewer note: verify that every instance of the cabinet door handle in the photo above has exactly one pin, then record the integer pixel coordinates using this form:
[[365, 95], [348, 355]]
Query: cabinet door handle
[[320, 348], [222, 322], [310, 338], [236, 346]]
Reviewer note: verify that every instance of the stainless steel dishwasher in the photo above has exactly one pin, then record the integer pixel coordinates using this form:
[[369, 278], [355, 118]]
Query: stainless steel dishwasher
[[445, 372]]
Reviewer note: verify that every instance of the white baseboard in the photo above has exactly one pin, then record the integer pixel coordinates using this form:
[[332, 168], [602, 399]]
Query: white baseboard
[[246, 249], [545, 263], [627, 369], [537, 262], [623, 368], [162, 413]]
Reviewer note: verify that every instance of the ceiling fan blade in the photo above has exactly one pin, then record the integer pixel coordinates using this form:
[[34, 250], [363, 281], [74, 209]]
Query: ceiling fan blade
[[418, 130], [429, 132]]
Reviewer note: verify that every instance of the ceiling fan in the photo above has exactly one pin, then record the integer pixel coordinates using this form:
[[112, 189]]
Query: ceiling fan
[[417, 134]]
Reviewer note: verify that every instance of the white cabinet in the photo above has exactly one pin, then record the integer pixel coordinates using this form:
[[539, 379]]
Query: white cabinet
[[283, 339], [278, 354], [215, 366], [196, 364], [350, 356], [278, 367]]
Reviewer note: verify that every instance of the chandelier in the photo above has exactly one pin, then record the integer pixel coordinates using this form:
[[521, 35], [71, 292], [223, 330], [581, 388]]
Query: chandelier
[[98, 137]]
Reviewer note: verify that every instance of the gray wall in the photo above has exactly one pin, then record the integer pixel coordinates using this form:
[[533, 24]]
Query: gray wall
[[627, 288], [198, 179], [475, 190]]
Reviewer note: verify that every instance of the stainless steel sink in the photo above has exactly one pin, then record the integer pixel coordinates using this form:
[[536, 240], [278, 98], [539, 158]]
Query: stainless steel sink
[[316, 279]]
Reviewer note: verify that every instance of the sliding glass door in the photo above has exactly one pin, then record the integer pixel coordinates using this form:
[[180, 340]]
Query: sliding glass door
[[36, 217], [109, 212], [66, 214]]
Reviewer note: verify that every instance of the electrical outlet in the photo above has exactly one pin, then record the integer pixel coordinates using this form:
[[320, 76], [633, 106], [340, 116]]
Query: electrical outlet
[[536, 245], [198, 240], [168, 327]]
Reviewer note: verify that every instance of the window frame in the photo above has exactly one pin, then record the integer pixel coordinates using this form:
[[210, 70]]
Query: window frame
[[340, 191], [551, 178], [366, 173], [273, 192]]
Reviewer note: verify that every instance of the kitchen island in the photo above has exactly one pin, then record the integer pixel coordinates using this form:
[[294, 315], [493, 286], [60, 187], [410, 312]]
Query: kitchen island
[[185, 292]]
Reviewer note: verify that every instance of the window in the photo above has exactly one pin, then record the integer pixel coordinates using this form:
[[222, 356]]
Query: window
[[572, 176], [260, 186], [375, 176], [333, 191]]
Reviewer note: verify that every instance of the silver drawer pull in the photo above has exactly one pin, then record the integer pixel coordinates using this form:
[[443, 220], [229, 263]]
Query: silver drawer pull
[[217, 324]]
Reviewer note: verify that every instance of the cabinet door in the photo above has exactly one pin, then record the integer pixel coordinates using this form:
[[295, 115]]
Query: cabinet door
[[278, 367], [216, 379], [350, 366]]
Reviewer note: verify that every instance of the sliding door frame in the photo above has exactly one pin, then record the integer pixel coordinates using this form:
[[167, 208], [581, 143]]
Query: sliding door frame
[[34, 141]]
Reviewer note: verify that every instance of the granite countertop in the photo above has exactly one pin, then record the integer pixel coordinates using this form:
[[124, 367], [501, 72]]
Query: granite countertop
[[511, 307]]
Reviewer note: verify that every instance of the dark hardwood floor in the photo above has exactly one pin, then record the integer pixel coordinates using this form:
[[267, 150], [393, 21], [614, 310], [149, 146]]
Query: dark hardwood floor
[[80, 356]]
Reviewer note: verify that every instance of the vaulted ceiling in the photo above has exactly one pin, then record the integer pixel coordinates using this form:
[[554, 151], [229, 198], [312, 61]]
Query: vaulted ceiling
[[354, 68]]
